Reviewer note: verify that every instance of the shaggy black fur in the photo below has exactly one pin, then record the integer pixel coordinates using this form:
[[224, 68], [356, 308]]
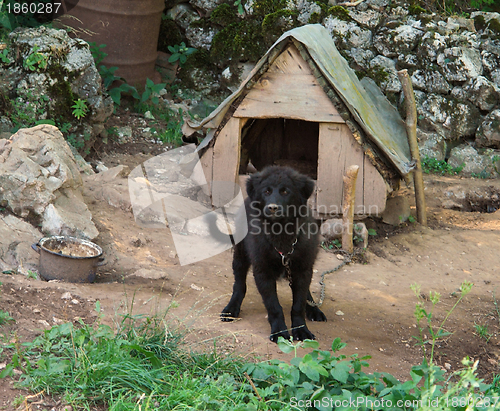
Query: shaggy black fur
[[280, 231]]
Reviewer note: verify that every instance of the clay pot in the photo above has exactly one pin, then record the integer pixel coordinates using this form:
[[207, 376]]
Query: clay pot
[[128, 28]]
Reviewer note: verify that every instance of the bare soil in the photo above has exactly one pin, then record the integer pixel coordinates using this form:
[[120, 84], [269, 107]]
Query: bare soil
[[369, 305]]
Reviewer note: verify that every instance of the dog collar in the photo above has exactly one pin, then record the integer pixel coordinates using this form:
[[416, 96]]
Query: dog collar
[[285, 257]]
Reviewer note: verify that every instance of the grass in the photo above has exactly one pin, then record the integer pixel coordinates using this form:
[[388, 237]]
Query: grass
[[146, 365]]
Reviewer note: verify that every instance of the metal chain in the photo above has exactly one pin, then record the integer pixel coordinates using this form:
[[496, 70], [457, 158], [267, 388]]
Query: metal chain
[[347, 259]]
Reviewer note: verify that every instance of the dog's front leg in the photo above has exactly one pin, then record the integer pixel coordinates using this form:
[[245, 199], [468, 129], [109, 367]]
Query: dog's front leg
[[300, 290], [267, 289]]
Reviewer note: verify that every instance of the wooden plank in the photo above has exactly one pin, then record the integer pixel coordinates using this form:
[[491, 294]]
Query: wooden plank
[[226, 161], [290, 62], [354, 156], [338, 150], [297, 96], [207, 165], [331, 155], [375, 191]]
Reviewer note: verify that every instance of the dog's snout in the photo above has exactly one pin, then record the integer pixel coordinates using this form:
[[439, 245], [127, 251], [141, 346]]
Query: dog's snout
[[272, 208]]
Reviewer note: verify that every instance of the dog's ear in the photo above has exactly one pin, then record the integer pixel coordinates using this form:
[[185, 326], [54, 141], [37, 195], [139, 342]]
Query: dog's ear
[[252, 184], [305, 185]]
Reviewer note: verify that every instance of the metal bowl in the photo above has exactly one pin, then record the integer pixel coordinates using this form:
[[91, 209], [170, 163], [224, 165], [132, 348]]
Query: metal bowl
[[68, 259]]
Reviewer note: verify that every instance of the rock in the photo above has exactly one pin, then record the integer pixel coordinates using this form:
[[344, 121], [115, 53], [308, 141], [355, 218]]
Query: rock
[[16, 238], [471, 162], [488, 133], [451, 205], [431, 45], [400, 40], [69, 215], [482, 92], [39, 178], [348, 34], [68, 65], [183, 14], [462, 23], [100, 167], [431, 144], [83, 166], [199, 37], [361, 56], [125, 132], [369, 18], [332, 230], [460, 63], [446, 115], [430, 81], [5, 125], [397, 210], [111, 174], [151, 274], [207, 6], [391, 82]]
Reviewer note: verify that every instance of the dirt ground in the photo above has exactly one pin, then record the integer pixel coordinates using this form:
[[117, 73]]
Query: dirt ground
[[369, 306]]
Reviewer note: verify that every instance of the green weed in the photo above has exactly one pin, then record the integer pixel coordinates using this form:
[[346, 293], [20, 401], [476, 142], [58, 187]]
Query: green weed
[[36, 61], [433, 166], [5, 318], [422, 314], [180, 53], [80, 108], [482, 331]]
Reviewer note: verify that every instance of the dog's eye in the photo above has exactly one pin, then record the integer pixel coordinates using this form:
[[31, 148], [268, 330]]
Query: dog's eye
[[283, 191], [268, 191]]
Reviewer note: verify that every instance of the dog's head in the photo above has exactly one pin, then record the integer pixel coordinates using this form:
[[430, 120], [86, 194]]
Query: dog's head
[[279, 192]]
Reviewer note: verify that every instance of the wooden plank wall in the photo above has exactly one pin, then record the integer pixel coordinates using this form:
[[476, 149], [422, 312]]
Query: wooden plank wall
[[226, 162], [338, 150]]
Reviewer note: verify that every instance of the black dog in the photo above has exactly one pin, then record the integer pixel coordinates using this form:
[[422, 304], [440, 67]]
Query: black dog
[[282, 241]]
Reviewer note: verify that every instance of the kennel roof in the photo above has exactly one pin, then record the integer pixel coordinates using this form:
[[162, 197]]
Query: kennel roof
[[379, 120]]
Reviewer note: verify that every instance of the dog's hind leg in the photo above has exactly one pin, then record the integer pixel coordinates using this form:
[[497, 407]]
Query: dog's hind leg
[[241, 264], [313, 313]]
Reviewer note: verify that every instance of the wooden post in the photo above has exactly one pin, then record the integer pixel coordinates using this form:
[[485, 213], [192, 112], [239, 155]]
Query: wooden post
[[411, 131], [349, 197]]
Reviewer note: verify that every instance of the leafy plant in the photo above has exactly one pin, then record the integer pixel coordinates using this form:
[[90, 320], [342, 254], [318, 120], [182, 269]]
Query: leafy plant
[[27, 109], [36, 61], [422, 314], [238, 4], [434, 166], [4, 56], [5, 317], [180, 52], [80, 108], [151, 91], [482, 331]]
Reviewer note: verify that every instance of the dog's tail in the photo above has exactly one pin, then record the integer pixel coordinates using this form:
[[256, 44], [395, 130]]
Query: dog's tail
[[216, 233]]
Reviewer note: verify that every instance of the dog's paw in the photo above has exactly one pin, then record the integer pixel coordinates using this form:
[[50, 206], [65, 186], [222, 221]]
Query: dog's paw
[[314, 314], [302, 333], [229, 314], [274, 337]]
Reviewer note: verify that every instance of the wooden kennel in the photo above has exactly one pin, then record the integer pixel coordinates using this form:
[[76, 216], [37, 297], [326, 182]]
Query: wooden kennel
[[288, 112]]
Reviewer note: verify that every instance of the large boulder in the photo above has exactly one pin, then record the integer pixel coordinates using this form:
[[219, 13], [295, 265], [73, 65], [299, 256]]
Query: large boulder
[[488, 133], [40, 180], [446, 115], [52, 72]]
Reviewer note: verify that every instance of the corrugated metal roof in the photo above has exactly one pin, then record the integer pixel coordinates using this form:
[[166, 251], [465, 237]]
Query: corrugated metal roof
[[373, 112]]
